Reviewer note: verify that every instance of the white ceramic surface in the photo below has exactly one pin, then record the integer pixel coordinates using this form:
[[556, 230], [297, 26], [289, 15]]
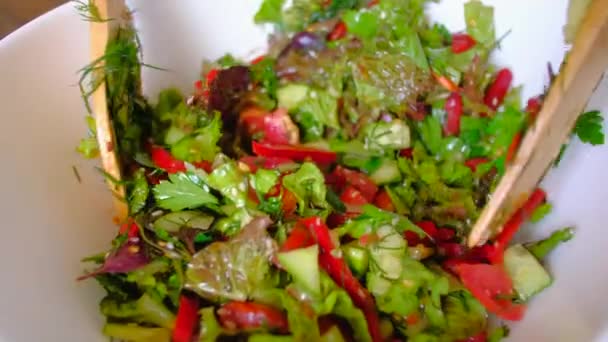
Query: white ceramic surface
[[50, 220]]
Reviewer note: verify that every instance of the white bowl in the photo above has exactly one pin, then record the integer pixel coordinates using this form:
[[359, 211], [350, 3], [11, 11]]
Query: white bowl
[[50, 220]]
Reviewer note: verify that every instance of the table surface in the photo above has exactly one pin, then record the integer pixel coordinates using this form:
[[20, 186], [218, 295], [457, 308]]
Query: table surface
[[15, 13]]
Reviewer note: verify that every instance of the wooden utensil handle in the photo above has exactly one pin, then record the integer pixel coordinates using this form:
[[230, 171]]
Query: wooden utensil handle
[[581, 73], [101, 33]]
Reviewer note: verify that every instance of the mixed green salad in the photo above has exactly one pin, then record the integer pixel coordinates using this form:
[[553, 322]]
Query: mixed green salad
[[323, 191]]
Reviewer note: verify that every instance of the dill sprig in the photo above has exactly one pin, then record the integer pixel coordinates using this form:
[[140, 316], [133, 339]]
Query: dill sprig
[[89, 11]]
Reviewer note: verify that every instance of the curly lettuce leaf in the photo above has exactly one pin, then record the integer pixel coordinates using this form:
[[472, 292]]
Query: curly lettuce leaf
[[234, 269]]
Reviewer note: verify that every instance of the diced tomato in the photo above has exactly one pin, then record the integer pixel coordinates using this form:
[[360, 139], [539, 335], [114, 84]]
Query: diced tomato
[[373, 3], [429, 227], [335, 220], [198, 85], [252, 316], [273, 128], [338, 32], [367, 239], [450, 249], [412, 238], [475, 162], [453, 108], [352, 196], [496, 92], [164, 160], [490, 284], [186, 319], [289, 202], [383, 201], [445, 234], [446, 82], [513, 147], [407, 153], [462, 42], [298, 238], [343, 177], [296, 153]]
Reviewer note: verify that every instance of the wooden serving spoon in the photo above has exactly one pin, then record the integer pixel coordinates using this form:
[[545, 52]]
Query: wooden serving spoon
[[583, 69], [100, 33]]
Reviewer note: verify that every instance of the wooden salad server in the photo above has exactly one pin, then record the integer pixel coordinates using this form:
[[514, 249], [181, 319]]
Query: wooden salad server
[[100, 33], [583, 69]]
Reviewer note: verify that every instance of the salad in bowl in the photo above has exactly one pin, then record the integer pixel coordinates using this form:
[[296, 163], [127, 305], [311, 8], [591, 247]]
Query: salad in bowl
[[323, 191]]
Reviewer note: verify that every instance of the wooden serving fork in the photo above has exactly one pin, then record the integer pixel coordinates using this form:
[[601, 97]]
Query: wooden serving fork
[[100, 33], [569, 93]]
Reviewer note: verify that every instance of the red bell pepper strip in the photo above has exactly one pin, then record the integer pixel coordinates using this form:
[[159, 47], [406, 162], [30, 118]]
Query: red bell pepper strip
[[488, 283], [164, 160], [343, 177], [462, 42], [453, 109], [252, 316], [503, 239], [269, 163], [338, 270], [130, 228], [475, 162], [186, 320], [513, 147], [296, 153], [257, 59], [299, 237], [338, 32], [497, 91]]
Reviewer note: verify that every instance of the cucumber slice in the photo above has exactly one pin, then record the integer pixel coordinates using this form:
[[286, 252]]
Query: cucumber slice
[[292, 95], [387, 173], [356, 257], [528, 275], [387, 253], [303, 265], [173, 222], [394, 135]]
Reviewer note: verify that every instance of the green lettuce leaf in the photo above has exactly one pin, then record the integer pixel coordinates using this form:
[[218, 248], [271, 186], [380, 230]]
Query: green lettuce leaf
[[270, 12], [202, 145], [465, 316], [480, 22], [230, 182], [308, 185]]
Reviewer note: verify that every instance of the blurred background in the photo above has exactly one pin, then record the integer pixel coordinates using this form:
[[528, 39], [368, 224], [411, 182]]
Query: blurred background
[[15, 13]]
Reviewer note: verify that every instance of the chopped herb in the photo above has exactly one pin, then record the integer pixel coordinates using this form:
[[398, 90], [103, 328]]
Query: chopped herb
[[183, 191], [589, 128]]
